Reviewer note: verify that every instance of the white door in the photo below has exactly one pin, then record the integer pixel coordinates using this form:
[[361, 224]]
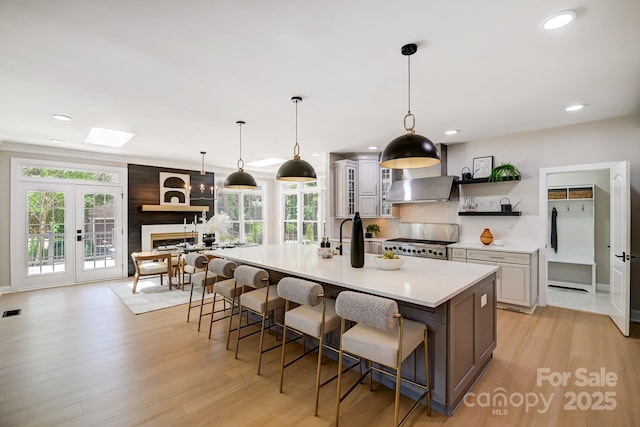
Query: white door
[[44, 245], [620, 247], [98, 233], [70, 233]]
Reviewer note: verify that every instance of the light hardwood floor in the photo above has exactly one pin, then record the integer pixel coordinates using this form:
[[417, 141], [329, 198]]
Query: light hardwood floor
[[76, 356]]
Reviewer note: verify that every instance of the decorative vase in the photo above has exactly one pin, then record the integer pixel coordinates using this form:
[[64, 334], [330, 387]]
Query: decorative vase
[[486, 237], [208, 239], [357, 242]]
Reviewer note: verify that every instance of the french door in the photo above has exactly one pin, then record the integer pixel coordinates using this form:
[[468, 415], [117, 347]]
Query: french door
[[68, 233]]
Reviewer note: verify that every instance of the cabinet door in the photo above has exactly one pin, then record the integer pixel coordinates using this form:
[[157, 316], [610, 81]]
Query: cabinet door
[[514, 284], [368, 177], [344, 178], [368, 206], [375, 248], [385, 186]]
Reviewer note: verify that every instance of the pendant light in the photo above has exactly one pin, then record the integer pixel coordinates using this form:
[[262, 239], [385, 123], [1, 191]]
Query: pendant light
[[410, 150], [202, 171], [240, 180], [296, 169]]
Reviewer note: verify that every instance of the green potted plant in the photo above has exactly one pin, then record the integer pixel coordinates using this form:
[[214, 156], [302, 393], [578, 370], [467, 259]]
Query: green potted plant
[[505, 172], [372, 229]]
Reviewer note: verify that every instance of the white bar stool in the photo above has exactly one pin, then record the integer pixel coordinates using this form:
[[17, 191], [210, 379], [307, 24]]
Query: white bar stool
[[262, 300], [381, 336], [197, 263], [315, 317]]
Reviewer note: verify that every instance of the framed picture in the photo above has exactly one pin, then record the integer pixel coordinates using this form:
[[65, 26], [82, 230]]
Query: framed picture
[[482, 166], [174, 189]]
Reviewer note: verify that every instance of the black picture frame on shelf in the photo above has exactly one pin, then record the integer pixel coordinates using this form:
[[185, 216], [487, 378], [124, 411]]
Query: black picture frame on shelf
[[482, 166]]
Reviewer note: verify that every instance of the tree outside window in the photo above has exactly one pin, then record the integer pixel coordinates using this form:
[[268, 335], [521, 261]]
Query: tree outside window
[[246, 213], [301, 205]]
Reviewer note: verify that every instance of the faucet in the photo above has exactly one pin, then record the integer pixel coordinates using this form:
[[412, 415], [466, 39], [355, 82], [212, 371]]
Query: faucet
[[340, 245]]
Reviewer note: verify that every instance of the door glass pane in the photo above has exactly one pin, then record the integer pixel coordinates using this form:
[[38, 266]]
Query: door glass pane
[[99, 231], [45, 234]]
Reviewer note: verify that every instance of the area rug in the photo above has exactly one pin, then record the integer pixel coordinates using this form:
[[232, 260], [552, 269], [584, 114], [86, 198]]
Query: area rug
[[150, 296]]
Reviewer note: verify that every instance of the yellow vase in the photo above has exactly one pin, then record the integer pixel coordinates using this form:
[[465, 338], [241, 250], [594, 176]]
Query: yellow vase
[[486, 237]]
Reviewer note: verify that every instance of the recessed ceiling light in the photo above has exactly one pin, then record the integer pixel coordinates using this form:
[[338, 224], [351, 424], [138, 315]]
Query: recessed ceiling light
[[61, 117], [57, 141], [108, 137], [315, 154], [373, 147], [574, 107], [266, 162], [451, 132], [559, 19]]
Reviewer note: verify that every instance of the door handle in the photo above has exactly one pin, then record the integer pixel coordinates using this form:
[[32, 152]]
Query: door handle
[[625, 256]]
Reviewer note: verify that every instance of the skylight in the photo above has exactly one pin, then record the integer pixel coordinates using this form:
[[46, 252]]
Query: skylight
[[108, 137]]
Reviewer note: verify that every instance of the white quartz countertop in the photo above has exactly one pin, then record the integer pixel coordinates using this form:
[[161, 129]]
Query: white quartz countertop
[[526, 248], [422, 281]]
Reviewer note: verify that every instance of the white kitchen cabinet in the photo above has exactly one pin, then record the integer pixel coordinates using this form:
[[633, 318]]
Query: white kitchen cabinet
[[517, 277], [373, 247], [344, 176], [368, 177], [385, 186]]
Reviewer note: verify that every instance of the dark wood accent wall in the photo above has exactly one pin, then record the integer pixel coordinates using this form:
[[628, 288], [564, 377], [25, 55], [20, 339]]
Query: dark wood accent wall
[[144, 189]]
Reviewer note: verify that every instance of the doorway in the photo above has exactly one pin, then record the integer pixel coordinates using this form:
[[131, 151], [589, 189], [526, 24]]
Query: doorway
[[67, 224], [576, 270], [578, 212]]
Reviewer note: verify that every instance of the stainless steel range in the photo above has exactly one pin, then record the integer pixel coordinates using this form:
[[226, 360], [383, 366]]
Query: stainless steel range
[[423, 240]]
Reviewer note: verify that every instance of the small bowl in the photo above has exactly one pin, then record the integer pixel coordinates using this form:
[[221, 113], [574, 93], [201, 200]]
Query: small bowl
[[388, 264]]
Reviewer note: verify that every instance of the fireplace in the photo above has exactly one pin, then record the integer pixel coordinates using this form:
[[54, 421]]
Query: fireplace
[[156, 235]]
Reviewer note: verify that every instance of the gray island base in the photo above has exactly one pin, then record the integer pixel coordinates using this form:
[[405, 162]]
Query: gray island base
[[456, 301]]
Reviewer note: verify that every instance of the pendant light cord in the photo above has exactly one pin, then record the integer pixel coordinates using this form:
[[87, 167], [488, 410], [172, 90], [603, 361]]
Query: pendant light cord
[[240, 161], [409, 115], [409, 84], [296, 147]]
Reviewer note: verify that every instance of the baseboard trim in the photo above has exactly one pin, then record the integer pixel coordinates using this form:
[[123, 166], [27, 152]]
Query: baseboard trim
[[635, 315], [601, 287]]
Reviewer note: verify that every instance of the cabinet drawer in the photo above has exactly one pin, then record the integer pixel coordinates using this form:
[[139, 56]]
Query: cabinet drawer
[[495, 256], [458, 253]]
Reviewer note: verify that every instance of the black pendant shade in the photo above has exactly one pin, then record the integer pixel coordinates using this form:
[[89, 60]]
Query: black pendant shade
[[410, 151], [296, 169], [240, 180]]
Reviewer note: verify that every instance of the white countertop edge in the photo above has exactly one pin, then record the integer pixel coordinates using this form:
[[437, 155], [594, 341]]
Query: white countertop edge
[[525, 248], [444, 297]]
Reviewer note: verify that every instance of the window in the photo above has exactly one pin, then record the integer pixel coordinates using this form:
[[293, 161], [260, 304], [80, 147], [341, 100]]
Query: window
[[301, 212], [246, 213], [69, 174]]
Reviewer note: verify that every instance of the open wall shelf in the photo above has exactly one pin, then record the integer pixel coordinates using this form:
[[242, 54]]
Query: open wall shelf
[[481, 180], [489, 213], [173, 208]]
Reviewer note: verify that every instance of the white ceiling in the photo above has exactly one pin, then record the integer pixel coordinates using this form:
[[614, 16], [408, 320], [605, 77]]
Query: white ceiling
[[179, 74]]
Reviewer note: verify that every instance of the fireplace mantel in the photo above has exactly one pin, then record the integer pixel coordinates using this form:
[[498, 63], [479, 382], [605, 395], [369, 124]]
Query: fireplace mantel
[[173, 208]]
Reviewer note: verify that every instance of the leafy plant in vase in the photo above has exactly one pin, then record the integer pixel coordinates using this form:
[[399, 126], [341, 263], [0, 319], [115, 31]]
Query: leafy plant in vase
[[216, 225], [372, 230], [505, 172]]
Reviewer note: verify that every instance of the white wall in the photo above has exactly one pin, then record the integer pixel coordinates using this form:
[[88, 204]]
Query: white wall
[[595, 142]]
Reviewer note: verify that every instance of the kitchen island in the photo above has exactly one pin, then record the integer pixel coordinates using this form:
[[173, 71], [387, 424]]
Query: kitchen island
[[456, 301]]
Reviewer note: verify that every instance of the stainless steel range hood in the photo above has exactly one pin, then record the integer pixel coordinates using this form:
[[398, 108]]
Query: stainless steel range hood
[[424, 184]]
